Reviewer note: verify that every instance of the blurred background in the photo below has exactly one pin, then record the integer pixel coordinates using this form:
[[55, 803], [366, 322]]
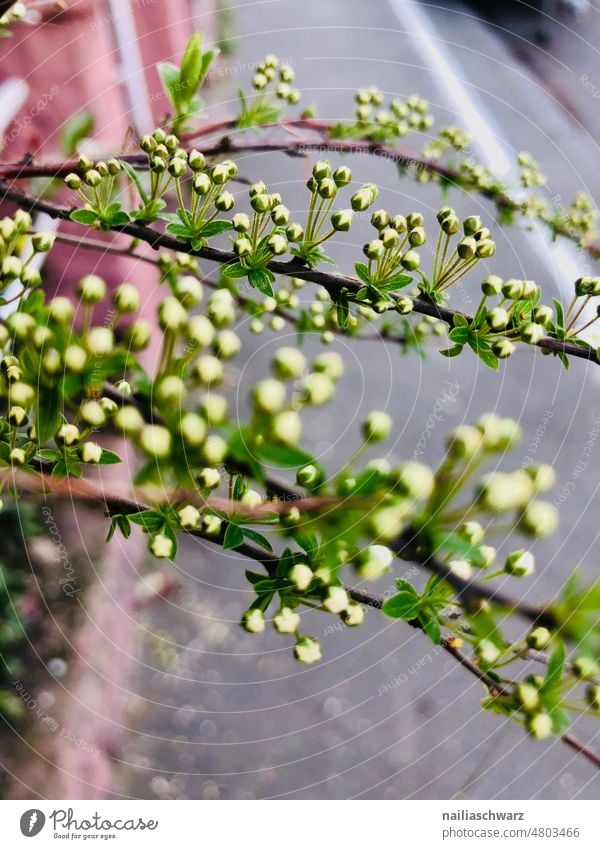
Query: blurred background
[[152, 688]]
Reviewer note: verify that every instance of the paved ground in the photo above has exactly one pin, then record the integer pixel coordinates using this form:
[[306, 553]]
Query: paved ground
[[221, 714]]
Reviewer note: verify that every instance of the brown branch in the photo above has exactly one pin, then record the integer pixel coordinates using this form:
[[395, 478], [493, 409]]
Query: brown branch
[[334, 283]]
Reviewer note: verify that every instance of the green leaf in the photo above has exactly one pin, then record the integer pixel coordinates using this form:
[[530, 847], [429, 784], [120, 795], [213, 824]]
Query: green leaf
[[560, 315], [459, 320], [108, 458], [84, 216], [363, 272], [261, 279], [132, 174], [259, 539], [460, 335], [233, 270], [150, 520], [191, 67], [288, 456], [76, 128], [554, 671], [234, 536], [431, 626], [169, 77], [48, 413], [343, 312], [404, 605], [214, 228], [454, 351]]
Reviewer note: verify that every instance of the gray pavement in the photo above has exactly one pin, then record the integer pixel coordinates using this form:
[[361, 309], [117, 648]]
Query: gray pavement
[[221, 714]]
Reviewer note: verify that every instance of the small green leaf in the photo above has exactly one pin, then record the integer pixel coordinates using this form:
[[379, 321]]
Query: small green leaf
[[363, 272], [150, 520], [554, 671], [132, 174], [108, 458], [454, 351], [288, 456], [261, 279], [430, 624], [234, 536], [404, 605], [84, 216], [259, 539], [48, 412]]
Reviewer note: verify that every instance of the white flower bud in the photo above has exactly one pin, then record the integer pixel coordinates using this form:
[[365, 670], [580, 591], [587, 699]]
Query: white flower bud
[[488, 552], [211, 525], [353, 615], [520, 563], [301, 576], [317, 388], [269, 395], [341, 220], [193, 429], [21, 324], [21, 394], [214, 450], [461, 568], [61, 310], [287, 427], [17, 416], [42, 242], [415, 480], [227, 344], [129, 420], [92, 413], [220, 307], [498, 318], [155, 441], [189, 516], [201, 331], [214, 408], [492, 285], [374, 562], [286, 621], [289, 363], [336, 600], [100, 341], [329, 363], [161, 546], [540, 519], [377, 426], [90, 452], [17, 457], [68, 435], [498, 434], [172, 315], [472, 532], [539, 725], [307, 476], [487, 652], [209, 370], [209, 478], [307, 650], [539, 638], [91, 289], [253, 621], [500, 491]]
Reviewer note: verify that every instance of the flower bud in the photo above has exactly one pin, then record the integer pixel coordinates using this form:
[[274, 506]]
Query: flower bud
[[492, 285], [188, 291], [209, 478], [487, 652], [415, 480], [539, 638], [172, 315], [92, 413], [42, 242], [214, 408], [288, 363], [380, 219], [129, 420], [300, 576], [353, 615], [240, 222], [161, 546], [92, 289], [539, 519], [503, 348], [417, 237], [329, 363], [532, 333], [277, 244], [592, 696], [73, 181], [12, 267], [374, 562], [364, 197], [513, 289], [201, 184], [464, 442], [201, 331], [377, 426], [21, 394], [287, 427], [498, 318], [68, 435], [260, 203], [321, 170], [90, 452], [17, 416], [220, 308], [100, 341], [286, 621], [543, 315], [521, 564], [374, 249], [17, 457], [214, 450], [224, 202], [317, 388], [336, 600], [411, 261], [585, 668], [450, 225], [126, 298], [467, 248], [307, 650], [189, 516], [155, 441], [209, 370], [177, 167], [528, 696], [472, 532], [539, 725], [472, 224], [269, 395], [21, 324], [31, 277], [342, 176], [486, 248], [61, 310], [341, 220]]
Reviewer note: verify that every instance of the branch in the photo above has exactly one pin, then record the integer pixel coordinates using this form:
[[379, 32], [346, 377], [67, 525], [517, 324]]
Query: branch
[[334, 283]]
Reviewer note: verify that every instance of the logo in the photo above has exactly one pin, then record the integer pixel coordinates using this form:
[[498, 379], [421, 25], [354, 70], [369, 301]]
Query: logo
[[32, 822]]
